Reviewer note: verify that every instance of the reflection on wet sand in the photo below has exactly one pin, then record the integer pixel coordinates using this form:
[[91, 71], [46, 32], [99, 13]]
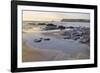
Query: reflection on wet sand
[[33, 54]]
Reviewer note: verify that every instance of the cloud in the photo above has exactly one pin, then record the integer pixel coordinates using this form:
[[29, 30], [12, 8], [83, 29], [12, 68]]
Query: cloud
[[52, 16]]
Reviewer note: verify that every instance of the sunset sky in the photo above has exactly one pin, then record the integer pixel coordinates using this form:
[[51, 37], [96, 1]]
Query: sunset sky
[[52, 16]]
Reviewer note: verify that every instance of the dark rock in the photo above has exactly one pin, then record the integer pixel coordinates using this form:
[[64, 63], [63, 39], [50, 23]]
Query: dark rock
[[37, 40], [47, 39]]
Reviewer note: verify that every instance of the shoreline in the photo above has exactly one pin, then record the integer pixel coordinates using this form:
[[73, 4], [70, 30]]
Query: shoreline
[[35, 54]]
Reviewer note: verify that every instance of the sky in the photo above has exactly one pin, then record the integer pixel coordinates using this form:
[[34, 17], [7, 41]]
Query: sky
[[52, 16]]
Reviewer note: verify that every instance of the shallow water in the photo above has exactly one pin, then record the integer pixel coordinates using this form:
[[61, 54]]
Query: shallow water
[[59, 44]]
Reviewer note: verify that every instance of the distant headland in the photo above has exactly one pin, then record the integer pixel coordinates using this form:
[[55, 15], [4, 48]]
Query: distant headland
[[75, 20]]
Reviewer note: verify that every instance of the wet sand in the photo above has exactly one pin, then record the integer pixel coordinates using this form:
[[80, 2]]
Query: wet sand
[[33, 55]]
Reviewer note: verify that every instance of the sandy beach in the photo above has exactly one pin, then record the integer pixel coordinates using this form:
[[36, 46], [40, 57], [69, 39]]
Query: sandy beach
[[34, 54]]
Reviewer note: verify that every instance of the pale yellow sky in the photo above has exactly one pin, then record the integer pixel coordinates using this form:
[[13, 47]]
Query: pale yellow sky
[[52, 16]]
